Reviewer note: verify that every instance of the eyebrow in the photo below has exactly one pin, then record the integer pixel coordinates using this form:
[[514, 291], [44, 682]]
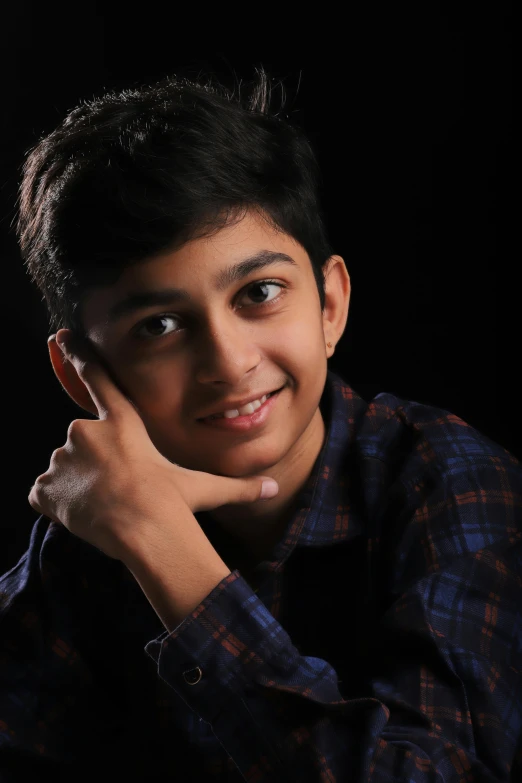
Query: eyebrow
[[139, 300]]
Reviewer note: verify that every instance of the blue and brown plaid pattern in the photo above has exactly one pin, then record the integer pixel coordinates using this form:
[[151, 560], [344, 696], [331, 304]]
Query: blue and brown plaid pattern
[[381, 642]]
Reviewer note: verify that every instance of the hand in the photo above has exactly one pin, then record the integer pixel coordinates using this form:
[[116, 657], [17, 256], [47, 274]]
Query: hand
[[108, 484]]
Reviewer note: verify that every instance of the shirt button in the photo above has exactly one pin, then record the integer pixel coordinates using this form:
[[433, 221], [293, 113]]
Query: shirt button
[[193, 676]]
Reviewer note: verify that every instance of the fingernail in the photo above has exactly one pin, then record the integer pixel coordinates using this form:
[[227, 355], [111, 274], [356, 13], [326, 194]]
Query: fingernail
[[269, 489], [63, 342]]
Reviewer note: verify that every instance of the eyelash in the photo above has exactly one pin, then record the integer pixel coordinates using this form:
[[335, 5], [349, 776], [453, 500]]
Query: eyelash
[[172, 315]]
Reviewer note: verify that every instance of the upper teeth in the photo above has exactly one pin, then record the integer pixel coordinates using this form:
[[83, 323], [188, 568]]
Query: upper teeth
[[245, 410]]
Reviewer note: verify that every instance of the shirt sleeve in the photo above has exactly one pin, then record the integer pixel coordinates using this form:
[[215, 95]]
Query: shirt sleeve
[[444, 703], [76, 702]]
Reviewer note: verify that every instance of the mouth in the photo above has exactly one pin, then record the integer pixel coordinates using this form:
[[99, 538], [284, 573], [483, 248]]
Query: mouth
[[247, 422]]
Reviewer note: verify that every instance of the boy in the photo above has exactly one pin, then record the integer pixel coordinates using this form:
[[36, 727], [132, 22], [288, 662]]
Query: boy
[[359, 621]]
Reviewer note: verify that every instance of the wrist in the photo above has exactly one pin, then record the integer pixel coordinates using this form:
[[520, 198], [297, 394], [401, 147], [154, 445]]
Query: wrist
[[175, 575]]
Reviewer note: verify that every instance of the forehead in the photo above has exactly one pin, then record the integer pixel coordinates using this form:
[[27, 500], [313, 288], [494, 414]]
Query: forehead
[[206, 264]]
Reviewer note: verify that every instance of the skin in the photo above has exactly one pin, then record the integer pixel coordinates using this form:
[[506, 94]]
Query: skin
[[224, 345]]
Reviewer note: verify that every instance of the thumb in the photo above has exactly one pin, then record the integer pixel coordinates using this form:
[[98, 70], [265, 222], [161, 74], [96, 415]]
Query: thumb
[[221, 491]]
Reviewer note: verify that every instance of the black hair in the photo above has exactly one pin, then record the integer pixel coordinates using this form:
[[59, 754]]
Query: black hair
[[138, 172]]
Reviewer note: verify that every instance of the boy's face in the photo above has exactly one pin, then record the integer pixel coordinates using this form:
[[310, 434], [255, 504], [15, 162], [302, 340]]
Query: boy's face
[[182, 359]]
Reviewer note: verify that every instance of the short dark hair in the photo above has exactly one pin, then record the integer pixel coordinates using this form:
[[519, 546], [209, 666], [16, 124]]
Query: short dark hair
[[138, 172]]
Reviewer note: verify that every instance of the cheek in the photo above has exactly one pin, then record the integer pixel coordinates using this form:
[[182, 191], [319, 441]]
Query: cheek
[[153, 390], [300, 340]]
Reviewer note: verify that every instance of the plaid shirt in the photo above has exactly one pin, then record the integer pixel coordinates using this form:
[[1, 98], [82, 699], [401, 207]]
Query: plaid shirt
[[380, 642]]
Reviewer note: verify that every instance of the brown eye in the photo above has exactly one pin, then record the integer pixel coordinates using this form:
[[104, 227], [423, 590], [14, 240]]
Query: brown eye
[[258, 291], [155, 326]]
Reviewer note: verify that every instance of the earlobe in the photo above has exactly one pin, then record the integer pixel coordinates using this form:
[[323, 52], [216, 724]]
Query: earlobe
[[69, 379]]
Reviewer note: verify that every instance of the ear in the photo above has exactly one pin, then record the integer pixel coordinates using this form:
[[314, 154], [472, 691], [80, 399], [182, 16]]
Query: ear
[[337, 300], [69, 378]]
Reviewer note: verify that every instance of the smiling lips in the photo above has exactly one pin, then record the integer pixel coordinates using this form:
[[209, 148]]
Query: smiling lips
[[244, 410], [237, 423]]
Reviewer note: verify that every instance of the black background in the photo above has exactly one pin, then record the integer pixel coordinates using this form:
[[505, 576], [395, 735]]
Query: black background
[[409, 110]]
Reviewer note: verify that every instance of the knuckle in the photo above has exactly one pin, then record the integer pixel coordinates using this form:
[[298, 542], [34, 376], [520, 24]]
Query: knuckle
[[55, 457], [34, 496], [77, 428], [80, 366]]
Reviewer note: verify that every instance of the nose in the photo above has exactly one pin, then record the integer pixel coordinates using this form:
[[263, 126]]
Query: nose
[[225, 353]]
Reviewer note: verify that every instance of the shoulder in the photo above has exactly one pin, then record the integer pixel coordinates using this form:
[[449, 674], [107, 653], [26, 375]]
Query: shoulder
[[20, 579], [422, 436], [435, 488], [51, 572]]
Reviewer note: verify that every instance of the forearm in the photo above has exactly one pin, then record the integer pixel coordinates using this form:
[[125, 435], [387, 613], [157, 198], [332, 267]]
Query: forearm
[[175, 575]]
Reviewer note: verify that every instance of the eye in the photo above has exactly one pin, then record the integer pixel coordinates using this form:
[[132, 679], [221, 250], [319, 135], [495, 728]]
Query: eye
[[155, 325], [259, 288]]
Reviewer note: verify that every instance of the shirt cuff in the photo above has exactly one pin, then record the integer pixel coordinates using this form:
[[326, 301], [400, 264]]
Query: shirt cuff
[[222, 648]]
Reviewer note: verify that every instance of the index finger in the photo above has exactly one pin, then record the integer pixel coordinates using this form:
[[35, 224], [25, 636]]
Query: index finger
[[94, 374]]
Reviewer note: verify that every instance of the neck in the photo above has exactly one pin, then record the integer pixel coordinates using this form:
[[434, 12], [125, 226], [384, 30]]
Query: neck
[[248, 532]]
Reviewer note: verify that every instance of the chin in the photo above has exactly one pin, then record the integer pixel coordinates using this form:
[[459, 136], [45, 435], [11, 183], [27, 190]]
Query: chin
[[235, 462], [244, 468]]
